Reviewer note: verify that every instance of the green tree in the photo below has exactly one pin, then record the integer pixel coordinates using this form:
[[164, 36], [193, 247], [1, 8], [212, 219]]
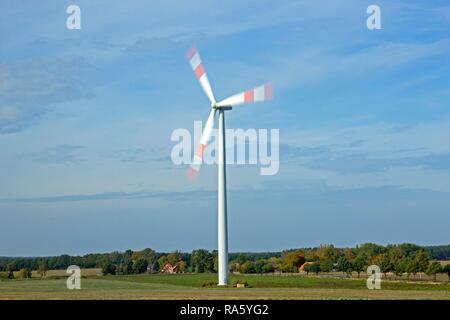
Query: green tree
[[24, 273], [216, 262], [109, 268], [417, 261], [140, 266], [241, 258], [370, 250], [385, 264], [268, 268], [396, 255], [409, 249], [359, 264], [314, 267], [4, 275], [350, 254], [42, 269], [202, 261], [343, 265], [248, 267], [293, 260], [326, 266], [174, 257], [327, 252], [310, 255], [234, 266], [422, 260], [162, 261], [259, 265], [433, 269], [446, 269], [439, 252], [129, 253], [155, 266], [149, 255], [182, 266], [125, 268], [400, 267], [10, 270], [307, 268], [411, 267]]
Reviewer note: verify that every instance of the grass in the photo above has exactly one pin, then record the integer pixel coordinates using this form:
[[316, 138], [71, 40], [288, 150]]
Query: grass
[[271, 281], [189, 286], [62, 273]]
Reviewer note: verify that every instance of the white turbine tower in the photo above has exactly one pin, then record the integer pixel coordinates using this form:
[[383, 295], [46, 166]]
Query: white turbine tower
[[261, 93]]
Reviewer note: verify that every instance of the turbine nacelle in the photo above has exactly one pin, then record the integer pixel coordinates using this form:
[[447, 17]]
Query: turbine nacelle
[[216, 107]]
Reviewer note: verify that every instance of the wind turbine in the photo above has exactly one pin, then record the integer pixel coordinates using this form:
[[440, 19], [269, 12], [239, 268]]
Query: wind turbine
[[257, 94]]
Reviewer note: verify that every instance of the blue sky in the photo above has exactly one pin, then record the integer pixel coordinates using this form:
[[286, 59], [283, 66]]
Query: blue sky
[[86, 117]]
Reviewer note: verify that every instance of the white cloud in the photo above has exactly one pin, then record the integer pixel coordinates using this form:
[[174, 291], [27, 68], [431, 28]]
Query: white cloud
[[408, 155], [29, 88]]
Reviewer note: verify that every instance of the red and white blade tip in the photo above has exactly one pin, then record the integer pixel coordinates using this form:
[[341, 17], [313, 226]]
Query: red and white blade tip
[[196, 162], [192, 174], [195, 61], [197, 66], [191, 52], [257, 94]]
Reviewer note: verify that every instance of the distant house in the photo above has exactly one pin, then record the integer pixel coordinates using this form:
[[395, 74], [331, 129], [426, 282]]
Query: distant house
[[169, 269], [444, 263], [301, 269]]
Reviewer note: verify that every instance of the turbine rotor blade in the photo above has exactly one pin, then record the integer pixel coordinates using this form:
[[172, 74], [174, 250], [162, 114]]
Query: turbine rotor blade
[[197, 66], [257, 94], [206, 136]]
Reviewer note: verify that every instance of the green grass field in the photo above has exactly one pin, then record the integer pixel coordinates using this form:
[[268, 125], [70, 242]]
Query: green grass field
[[189, 286]]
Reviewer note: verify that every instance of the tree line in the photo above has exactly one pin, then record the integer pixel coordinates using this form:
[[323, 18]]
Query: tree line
[[399, 259]]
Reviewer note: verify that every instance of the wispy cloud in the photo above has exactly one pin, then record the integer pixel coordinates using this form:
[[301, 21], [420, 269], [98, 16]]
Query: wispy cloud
[[169, 196], [29, 88], [313, 65], [327, 158], [61, 154], [140, 155]]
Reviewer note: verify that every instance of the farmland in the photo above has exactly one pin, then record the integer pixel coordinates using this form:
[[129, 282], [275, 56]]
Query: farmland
[[189, 286]]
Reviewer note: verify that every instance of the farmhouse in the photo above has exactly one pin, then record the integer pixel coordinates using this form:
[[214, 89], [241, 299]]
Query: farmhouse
[[169, 269], [301, 269]]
